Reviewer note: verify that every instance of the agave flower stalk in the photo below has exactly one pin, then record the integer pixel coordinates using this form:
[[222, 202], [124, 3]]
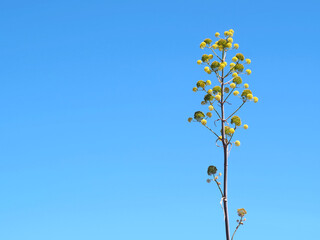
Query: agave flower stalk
[[228, 77]]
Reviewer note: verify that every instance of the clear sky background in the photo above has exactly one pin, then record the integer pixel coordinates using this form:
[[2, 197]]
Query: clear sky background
[[95, 143]]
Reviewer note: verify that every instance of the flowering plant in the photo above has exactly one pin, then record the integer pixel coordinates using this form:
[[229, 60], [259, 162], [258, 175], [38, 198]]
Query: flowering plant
[[230, 82]]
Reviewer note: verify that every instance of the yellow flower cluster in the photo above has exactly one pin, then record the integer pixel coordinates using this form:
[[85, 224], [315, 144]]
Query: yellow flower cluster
[[241, 212]]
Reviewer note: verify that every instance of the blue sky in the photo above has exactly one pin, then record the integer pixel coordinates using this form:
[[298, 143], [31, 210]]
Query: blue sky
[[95, 142]]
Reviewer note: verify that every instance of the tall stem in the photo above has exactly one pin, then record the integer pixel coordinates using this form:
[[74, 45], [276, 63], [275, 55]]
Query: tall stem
[[225, 153]]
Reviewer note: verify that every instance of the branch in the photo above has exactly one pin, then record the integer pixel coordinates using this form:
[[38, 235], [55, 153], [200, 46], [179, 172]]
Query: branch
[[240, 222], [215, 53], [236, 110], [211, 130], [229, 95], [218, 187]]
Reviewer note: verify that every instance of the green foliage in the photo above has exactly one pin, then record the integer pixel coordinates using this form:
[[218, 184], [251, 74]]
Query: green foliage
[[236, 120], [212, 170]]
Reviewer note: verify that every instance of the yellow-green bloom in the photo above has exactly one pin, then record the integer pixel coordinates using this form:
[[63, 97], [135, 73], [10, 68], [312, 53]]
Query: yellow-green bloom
[[231, 130], [217, 97], [209, 114], [248, 71], [249, 96], [215, 46], [235, 93], [210, 56], [235, 74], [230, 40], [210, 107], [199, 62], [199, 116], [194, 89], [246, 85], [208, 97], [204, 122], [245, 94], [236, 46], [216, 89], [232, 85], [231, 30], [203, 45], [210, 91], [234, 59], [206, 69], [237, 143], [201, 83], [241, 211], [248, 61], [245, 126], [240, 56], [232, 65], [208, 82], [226, 90], [190, 119], [255, 99], [207, 41], [229, 45], [236, 120], [237, 80], [217, 34]]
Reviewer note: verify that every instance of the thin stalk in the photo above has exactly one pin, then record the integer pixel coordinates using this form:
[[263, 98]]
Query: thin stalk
[[225, 153], [236, 110], [236, 228]]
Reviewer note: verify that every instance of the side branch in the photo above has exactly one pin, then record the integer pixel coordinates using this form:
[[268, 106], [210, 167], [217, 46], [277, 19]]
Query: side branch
[[211, 131], [236, 110], [240, 222]]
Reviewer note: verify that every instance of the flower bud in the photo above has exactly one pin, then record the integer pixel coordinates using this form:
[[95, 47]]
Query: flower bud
[[255, 99], [246, 85], [234, 59], [248, 71], [194, 89], [204, 122], [217, 34], [203, 45], [232, 85], [209, 114], [190, 119], [217, 97], [237, 143], [199, 62], [208, 82], [235, 93], [245, 126], [210, 107], [236, 46], [248, 61]]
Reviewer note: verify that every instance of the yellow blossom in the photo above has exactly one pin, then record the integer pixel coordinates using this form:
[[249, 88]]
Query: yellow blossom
[[229, 45], [248, 71], [215, 46], [234, 74], [217, 34], [235, 93], [203, 45], [210, 107], [248, 61], [245, 126], [249, 96], [231, 130], [194, 89], [255, 99], [217, 97], [199, 62], [209, 114], [232, 85], [190, 119], [206, 69], [236, 46], [237, 143], [210, 91], [246, 85], [230, 40], [208, 82], [234, 59], [232, 65], [204, 122]]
